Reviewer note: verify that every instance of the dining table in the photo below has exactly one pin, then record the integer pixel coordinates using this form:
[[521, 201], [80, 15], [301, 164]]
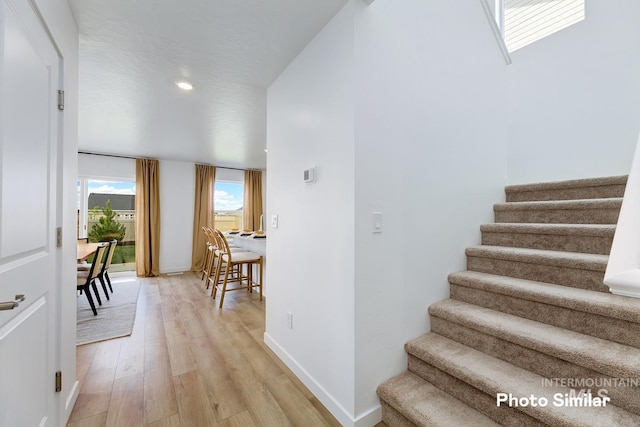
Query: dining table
[[86, 249]]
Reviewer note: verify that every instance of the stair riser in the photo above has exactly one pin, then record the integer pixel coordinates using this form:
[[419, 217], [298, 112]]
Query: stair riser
[[422, 403], [559, 216], [532, 360], [584, 244], [393, 418], [599, 192], [577, 278], [471, 396], [616, 330]]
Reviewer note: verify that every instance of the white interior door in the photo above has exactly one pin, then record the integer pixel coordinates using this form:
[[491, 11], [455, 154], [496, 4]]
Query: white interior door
[[28, 180]]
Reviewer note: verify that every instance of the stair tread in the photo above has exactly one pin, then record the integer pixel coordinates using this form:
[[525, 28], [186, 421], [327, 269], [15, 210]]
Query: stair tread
[[492, 376], [608, 203], [573, 183], [606, 230], [606, 357], [425, 404], [580, 260], [600, 303]]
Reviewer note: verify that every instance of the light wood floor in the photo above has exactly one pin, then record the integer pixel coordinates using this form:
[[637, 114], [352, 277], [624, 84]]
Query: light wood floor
[[187, 363]]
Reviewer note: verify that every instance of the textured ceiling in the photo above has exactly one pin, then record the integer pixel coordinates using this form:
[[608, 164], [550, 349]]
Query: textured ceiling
[[132, 52]]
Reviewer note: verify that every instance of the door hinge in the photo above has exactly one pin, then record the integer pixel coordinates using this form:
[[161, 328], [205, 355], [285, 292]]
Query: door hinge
[[59, 237], [58, 381], [61, 100]]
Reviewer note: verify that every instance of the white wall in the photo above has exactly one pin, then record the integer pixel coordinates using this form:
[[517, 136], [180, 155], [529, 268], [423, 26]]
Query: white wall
[[395, 128], [177, 190], [60, 22], [231, 175], [574, 98], [311, 253], [431, 156], [106, 167]]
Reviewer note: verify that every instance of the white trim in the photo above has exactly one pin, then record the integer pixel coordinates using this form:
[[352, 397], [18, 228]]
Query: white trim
[[369, 418], [625, 283], [84, 208], [623, 269], [498, 14], [19, 318], [497, 32], [71, 400], [318, 391]]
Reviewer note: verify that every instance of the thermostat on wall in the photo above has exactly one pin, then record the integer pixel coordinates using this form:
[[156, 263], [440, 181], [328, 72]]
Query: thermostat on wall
[[310, 175]]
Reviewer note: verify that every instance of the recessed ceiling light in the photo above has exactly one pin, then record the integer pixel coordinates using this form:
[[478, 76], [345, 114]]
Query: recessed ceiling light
[[184, 85], [265, 150]]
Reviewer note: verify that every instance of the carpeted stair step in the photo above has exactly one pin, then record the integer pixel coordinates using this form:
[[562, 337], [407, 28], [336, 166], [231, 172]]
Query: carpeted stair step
[[583, 211], [476, 378], [546, 350], [586, 238], [470, 395], [408, 400], [573, 269], [591, 188], [602, 315], [608, 358]]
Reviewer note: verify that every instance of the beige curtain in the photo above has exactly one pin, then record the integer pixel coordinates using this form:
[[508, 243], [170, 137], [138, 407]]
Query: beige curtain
[[204, 213], [147, 218], [252, 200]]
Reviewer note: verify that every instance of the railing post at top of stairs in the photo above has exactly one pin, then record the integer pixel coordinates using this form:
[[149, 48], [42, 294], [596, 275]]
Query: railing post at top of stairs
[[623, 270]]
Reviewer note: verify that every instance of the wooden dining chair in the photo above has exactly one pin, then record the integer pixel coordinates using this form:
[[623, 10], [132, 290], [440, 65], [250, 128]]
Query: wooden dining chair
[[86, 278], [209, 253], [104, 273], [232, 262]]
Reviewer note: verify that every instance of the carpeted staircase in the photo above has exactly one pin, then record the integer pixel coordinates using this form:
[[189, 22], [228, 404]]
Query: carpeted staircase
[[530, 316]]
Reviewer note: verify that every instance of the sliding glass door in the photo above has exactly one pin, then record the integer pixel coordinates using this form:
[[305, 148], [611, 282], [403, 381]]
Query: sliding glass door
[[106, 211]]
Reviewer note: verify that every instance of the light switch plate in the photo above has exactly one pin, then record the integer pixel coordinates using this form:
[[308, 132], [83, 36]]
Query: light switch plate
[[274, 221], [310, 175], [377, 222]]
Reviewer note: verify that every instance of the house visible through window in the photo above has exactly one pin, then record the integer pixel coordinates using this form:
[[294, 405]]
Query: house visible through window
[[106, 211], [526, 21], [228, 204]]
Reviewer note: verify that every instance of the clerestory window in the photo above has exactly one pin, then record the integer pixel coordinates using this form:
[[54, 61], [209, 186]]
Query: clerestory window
[[526, 21]]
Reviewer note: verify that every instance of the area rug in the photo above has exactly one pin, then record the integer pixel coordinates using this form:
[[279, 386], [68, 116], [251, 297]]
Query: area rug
[[115, 317]]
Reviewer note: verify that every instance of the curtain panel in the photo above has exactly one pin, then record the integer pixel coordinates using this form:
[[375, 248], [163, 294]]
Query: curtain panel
[[252, 200], [147, 218], [203, 213]]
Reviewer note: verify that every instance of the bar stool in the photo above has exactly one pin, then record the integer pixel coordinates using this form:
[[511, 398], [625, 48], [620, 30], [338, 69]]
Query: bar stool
[[231, 260]]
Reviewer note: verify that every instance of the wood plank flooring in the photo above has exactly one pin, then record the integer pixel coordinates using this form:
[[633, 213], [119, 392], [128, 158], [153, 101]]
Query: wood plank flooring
[[188, 363]]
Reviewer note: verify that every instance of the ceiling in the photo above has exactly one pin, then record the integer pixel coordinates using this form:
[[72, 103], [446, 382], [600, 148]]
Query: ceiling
[[133, 51]]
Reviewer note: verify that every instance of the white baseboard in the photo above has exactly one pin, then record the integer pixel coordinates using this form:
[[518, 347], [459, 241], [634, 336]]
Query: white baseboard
[[71, 401], [368, 419], [174, 270]]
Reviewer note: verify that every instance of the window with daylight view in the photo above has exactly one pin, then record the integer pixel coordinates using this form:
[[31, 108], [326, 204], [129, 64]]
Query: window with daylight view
[[228, 202], [106, 211], [527, 21]]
